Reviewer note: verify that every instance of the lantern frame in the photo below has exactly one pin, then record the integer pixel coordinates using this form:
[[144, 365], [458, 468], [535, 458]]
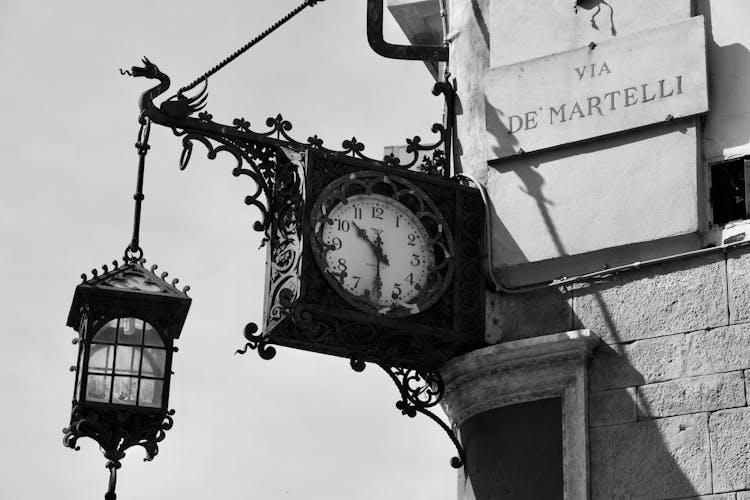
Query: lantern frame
[[130, 290]]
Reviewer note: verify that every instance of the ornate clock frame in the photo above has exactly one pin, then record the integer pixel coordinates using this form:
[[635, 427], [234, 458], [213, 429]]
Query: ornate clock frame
[[304, 311]]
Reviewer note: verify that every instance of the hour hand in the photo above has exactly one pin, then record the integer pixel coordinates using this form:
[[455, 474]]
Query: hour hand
[[378, 248], [362, 233]]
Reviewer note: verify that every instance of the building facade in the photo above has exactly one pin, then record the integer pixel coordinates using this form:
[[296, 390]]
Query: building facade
[[613, 139]]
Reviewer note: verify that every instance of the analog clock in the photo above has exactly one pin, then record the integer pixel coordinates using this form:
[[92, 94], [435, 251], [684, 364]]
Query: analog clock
[[382, 243]]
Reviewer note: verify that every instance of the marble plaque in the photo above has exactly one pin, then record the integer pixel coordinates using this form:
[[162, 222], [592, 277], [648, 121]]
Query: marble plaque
[[597, 90]]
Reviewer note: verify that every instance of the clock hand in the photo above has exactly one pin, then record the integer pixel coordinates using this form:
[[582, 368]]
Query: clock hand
[[362, 233], [379, 251], [376, 246], [378, 283]]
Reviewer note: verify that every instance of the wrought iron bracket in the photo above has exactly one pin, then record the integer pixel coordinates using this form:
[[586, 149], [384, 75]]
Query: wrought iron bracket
[[257, 154], [420, 390], [261, 156]]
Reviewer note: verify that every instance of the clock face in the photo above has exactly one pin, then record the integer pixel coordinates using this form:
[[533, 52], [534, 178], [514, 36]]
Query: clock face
[[381, 243]]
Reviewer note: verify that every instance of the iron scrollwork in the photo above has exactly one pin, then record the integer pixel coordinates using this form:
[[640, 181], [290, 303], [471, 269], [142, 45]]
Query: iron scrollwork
[[264, 157], [420, 390], [116, 431], [272, 161]]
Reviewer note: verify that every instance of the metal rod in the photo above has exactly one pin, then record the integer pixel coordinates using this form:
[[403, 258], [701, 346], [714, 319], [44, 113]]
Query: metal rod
[[248, 45], [133, 251], [112, 465]]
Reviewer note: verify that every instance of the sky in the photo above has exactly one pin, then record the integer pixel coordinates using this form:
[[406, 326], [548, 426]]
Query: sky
[[301, 426]]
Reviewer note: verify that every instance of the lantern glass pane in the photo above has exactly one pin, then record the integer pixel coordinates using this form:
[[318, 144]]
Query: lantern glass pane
[[101, 358], [125, 390], [150, 337], [153, 362], [130, 331], [128, 360], [97, 388], [151, 392], [106, 334]]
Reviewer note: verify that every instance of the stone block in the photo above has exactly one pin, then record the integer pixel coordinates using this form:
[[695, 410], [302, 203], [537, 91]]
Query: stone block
[[743, 495], [643, 362], [675, 297], [514, 317], [719, 350], [723, 496], [738, 282], [730, 449], [612, 407], [691, 395], [665, 458]]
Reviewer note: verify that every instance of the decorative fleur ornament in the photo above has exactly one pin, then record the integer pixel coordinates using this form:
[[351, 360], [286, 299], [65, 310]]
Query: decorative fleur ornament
[[127, 320]]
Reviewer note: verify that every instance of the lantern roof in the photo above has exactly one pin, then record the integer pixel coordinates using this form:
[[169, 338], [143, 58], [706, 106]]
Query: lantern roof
[[131, 288]]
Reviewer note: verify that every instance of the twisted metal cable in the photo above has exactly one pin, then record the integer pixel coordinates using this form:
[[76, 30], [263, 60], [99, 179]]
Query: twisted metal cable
[[248, 45]]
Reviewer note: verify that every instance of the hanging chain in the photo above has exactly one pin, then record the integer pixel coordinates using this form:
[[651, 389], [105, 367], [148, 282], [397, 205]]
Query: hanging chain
[[248, 45], [133, 252]]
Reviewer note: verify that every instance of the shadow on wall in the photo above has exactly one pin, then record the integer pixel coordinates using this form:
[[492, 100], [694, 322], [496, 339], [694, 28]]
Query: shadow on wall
[[733, 87], [630, 460], [647, 458], [479, 16], [505, 143]]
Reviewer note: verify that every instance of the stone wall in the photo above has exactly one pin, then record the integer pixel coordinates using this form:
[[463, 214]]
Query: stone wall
[[668, 400]]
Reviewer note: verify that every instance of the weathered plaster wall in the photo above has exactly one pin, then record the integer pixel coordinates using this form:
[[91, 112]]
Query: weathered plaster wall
[[549, 208], [470, 57], [526, 29], [640, 186], [633, 187], [727, 130]]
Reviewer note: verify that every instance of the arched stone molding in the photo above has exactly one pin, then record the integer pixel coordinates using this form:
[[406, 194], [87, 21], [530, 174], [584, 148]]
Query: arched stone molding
[[522, 371]]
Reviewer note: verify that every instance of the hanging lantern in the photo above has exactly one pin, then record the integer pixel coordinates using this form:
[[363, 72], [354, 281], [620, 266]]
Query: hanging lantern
[[127, 319]]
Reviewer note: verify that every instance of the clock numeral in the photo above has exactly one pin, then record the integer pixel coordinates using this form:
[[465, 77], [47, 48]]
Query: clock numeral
[[410, 278], [415, 260], [336, 243], [412, 239], [377, 213], [356, 283], [396, 293], [357, 212], [343, 225], [398, 218], [342, 265]]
